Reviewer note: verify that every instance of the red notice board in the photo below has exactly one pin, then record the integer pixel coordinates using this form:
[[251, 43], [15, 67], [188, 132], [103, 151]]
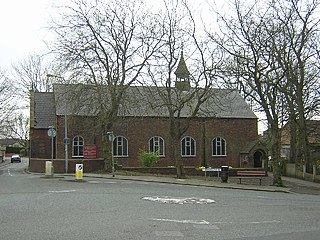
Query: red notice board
[[90, 152]]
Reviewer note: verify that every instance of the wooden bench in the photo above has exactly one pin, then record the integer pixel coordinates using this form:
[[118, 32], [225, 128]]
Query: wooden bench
[[251, 174]]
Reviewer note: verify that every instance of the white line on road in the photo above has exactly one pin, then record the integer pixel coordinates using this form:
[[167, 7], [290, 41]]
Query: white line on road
[[261, 222], [9, 173], [200, 222], [62, 191]]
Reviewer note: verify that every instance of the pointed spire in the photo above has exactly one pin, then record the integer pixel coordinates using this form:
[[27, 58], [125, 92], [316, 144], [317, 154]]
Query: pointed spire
[[182, 71], [183, 75]]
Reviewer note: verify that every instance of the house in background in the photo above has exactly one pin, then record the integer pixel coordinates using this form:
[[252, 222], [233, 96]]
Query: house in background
[[313, 128], [10, 142], [10, 146], [225, 126]]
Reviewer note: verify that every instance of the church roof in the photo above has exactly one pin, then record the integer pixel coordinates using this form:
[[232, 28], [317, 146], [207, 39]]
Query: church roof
[[146, 101], [138, 101]]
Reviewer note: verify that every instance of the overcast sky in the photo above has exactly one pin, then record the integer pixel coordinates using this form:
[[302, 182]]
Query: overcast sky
[[22, 26]]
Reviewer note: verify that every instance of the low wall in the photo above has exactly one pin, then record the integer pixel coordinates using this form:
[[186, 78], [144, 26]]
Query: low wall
[[189, 170], [291, 170], [89, 165]]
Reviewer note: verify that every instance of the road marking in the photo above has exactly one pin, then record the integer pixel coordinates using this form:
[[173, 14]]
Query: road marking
[[62, 191], [9, 173], [257, 222], [264, 222], [196, 222], [179, 200]]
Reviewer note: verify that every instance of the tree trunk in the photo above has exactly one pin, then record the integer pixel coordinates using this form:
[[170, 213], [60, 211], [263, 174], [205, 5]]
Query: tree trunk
[[304, 144], [178, 159], [275, 156], [293, 140], [107, 154]]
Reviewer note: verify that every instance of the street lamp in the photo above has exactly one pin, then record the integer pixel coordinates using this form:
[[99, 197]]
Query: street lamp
[[66, 139], [52, 134], [111, 139]]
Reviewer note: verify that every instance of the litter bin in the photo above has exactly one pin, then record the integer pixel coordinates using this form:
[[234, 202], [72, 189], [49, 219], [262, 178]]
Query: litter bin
[[224, 173]]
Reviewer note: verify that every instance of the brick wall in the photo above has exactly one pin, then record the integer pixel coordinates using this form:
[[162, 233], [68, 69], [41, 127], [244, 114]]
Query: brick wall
[[138, 131], [40, 144], [85, 127]]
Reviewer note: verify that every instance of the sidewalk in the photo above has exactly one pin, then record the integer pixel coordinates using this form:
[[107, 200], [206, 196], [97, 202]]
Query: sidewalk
[[5, 162], [297, 185], [190, 180], [293, 185]]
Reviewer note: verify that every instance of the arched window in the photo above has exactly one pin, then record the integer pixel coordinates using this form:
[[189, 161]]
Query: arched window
[[77, 146], [188, 147], [219, 147], [120, 147], [156, 144]]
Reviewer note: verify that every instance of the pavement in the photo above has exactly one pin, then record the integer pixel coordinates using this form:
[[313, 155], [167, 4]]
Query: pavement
[[292, 185], [192, 181]]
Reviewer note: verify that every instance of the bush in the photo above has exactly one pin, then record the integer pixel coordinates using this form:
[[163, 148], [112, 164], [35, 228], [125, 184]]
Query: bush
[[148, 159]]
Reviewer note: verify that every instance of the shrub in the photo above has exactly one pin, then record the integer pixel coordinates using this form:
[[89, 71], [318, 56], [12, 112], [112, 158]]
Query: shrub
[[148, 159]]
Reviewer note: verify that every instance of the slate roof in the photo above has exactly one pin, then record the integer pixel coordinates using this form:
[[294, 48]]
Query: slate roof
[[44, 109], [260, 143], [146, 101]]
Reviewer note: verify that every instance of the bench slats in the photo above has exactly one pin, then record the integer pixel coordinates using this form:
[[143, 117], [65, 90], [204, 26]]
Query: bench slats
[[251, 174]]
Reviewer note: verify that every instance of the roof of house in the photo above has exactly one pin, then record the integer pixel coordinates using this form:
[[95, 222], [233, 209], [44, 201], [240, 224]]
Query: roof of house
[[137, 101], [9, 141], [44, 109], [313, 131]]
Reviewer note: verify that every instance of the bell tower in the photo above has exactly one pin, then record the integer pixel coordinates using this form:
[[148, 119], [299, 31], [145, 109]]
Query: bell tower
[[182, 75]]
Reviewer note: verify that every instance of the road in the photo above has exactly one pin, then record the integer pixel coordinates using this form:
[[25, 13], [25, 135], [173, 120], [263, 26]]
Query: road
[[33, 207]]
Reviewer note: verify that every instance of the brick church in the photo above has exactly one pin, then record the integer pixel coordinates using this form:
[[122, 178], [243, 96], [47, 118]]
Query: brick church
[[225, 131]]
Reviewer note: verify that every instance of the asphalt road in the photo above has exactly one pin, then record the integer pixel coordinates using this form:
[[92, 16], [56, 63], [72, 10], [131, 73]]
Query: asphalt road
[[33, 207]]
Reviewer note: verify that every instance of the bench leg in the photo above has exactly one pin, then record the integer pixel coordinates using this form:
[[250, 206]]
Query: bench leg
[[240, 180], [260, 181]]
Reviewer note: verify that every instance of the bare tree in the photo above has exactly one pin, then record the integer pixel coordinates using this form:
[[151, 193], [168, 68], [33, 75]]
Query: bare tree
[[271, 59], [30, 74], [296, 47], [180, 92], [106, 44], [17, 127], [6, 105], [251, 68]]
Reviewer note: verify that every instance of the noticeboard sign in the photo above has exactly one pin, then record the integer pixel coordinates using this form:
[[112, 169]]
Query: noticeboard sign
[[90, 152], [52, 132]]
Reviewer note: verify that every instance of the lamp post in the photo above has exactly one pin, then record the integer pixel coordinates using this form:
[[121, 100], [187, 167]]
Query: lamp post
[[52, 134], [65, 139], [111, 139]]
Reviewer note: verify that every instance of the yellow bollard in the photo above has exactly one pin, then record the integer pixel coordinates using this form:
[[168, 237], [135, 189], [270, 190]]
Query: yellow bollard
[[79, 171]]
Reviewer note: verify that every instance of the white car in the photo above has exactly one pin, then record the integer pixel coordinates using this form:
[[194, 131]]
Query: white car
[[15, 158]]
